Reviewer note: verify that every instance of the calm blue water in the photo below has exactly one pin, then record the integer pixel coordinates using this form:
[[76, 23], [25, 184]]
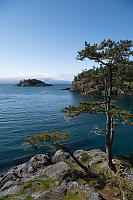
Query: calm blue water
[[31, 110]]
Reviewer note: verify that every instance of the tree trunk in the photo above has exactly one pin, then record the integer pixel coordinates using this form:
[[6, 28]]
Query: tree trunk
[[75, 159], [108, 138], [112, 130], [108, 142]]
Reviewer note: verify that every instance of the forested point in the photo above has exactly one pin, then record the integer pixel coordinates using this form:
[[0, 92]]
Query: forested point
[[91, 80]]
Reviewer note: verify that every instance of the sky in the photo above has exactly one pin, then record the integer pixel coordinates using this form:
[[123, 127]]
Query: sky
[[40, 38]]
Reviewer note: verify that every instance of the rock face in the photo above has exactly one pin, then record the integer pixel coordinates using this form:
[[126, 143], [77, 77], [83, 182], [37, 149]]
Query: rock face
[[60, 156], [88, 192], [32, 83], [83, 85], [24, 172], [59, 177]]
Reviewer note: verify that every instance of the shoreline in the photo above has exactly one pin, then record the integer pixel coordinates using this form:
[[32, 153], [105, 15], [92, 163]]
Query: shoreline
[[61, 174]]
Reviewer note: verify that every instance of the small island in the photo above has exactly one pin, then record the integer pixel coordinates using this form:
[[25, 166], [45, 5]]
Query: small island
[[32, 83], [65, 89]]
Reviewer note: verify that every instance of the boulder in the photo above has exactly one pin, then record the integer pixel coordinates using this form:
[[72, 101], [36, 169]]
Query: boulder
[[66, 176], [38, 161], [11, 190], [89, 193], [79, 153], [96, 156], [57, 170], [18, 174], [60, 156], [93, 156], [57, 192]]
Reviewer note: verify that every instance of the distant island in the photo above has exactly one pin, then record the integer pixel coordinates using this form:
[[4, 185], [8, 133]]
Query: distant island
[[32, 83], [65, 88]]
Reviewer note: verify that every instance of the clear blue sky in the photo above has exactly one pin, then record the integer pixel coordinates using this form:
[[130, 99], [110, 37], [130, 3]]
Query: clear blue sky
[[40, 38]]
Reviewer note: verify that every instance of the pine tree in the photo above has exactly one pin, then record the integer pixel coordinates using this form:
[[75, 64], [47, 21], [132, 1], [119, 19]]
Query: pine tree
[[110, 55], [55, 140]]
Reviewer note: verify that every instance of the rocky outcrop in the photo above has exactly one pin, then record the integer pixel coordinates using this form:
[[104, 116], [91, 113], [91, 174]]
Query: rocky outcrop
[[25, 171], [59, 177], [81, 85], [88, 192], [84, 85], [60, 156], [32, 83]]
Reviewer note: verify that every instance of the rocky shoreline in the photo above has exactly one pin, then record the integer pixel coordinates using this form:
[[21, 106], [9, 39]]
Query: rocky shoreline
[[83, 85], [59, 177]]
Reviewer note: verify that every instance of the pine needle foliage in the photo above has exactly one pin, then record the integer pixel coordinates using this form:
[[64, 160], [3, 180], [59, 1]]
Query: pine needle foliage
[[123, 116], [55, 140], [111, 56]]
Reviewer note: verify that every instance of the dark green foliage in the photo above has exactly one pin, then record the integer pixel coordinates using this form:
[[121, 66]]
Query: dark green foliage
[[119, 115], [32, 82], [113, 58], [108, 52], [92, 80], [55, 139]]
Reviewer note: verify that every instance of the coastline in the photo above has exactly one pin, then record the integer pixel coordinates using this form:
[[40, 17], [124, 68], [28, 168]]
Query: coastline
[[33, 110], [61, 175]]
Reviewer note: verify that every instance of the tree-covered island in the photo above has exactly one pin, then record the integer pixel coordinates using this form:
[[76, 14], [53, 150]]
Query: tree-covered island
[[32, 83]]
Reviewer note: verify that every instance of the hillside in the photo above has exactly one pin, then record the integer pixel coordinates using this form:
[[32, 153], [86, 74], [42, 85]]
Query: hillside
[[92, 79]]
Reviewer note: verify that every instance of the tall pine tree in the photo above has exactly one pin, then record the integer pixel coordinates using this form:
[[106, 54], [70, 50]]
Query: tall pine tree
[[109, 55]]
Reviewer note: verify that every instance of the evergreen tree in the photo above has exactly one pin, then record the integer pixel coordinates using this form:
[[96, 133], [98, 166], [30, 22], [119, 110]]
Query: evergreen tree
[[55, 140], [110, 55]]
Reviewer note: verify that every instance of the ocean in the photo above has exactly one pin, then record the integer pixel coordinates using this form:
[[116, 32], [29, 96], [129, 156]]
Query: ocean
[[31, 110]]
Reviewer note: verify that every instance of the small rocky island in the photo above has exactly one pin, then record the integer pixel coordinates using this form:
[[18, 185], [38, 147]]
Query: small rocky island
[[32, 83]]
